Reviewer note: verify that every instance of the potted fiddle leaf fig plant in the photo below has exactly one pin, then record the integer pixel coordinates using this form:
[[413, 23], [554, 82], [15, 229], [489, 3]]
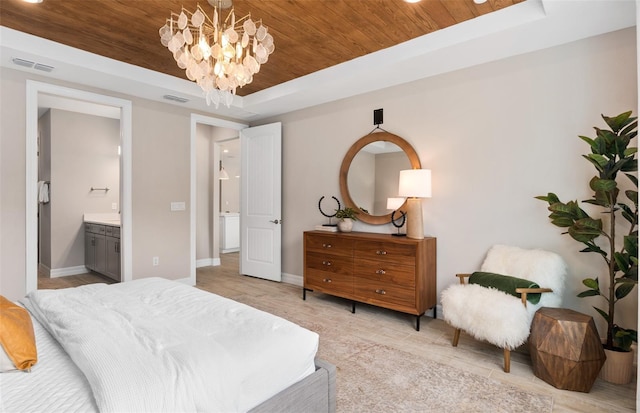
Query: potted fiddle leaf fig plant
[[346, 216], [614, 160]]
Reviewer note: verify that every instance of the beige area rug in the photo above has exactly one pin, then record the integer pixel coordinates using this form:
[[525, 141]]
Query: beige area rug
[[376, 378], [368, 381]]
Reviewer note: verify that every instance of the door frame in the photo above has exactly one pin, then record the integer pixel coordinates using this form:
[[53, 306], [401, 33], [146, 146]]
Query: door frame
[[33, 89], [216, 122]]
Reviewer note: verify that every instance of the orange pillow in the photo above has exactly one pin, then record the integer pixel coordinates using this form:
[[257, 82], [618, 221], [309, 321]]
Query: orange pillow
[[16, 335]]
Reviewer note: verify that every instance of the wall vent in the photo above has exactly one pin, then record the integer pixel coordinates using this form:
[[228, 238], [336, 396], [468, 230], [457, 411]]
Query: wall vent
[[32, 65], [22, 62], [175, 98], [44, 68]]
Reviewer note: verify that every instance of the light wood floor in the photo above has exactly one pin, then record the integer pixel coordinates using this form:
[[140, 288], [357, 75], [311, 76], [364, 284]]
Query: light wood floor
[[396, 330]]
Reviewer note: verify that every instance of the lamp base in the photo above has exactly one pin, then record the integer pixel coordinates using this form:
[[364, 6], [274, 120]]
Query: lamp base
[[415, 228]]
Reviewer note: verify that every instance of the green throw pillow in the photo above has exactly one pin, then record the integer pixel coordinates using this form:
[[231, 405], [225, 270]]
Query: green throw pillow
[[505, 283]]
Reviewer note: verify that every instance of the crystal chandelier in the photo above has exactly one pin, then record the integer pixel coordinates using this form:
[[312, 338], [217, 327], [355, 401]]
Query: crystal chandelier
[[219, 55]]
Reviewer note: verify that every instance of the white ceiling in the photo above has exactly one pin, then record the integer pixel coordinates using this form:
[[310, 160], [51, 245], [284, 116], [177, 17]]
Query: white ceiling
[[522, 28]]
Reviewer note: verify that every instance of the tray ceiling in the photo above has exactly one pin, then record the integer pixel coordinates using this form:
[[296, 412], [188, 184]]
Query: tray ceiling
[[310, 35]]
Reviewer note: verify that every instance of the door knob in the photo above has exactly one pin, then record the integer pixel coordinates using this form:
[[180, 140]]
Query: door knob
[[275, 221]]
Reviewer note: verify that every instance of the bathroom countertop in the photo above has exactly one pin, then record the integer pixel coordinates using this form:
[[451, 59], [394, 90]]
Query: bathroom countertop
[[103, 219]]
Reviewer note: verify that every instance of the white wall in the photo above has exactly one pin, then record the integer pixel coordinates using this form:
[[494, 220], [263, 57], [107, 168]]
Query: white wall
[[495, 136]]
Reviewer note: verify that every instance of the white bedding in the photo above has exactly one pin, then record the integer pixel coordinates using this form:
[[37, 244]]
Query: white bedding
[[55, 384], [158, 345]]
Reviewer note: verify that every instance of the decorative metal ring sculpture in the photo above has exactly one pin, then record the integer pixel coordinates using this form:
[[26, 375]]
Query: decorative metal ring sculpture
[[327, 215]]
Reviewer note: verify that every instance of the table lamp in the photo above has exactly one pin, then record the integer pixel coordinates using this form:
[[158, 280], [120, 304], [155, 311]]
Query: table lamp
[[415, 184]]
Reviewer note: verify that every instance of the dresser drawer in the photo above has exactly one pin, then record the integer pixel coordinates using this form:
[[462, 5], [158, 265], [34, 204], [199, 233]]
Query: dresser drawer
[[385, 272], [404, 254], [336, 284], [332, 263], [328, 243], [384, 294]]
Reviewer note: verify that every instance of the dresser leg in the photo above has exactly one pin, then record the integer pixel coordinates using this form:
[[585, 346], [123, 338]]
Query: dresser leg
[[353, 307], [418, 323], [304, 293], [434, 312]]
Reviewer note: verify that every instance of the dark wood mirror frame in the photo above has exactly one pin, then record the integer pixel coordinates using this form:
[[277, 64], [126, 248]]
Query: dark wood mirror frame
[[346, 163]]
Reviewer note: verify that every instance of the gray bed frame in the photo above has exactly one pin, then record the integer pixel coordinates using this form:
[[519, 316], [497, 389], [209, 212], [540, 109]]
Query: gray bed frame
[[314, 393]]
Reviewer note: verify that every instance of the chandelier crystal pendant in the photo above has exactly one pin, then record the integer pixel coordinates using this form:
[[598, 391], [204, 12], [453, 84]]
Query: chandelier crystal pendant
[[219, 55]]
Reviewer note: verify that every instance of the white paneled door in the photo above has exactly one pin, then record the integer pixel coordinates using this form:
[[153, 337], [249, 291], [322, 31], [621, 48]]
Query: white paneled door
[[261, 202]]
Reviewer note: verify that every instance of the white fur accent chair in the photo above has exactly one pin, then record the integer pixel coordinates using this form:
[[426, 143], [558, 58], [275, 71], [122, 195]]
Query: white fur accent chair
[[498, 317]]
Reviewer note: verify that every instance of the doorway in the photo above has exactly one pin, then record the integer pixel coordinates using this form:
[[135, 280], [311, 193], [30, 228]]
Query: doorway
[[205, 213], [78, 156], [35, 92]]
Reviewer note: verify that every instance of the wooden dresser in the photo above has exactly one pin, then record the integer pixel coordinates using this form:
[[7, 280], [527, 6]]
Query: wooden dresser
[[397, 273]]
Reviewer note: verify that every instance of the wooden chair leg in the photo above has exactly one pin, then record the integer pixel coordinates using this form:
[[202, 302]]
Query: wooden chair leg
[[507, 360], [456, 337]]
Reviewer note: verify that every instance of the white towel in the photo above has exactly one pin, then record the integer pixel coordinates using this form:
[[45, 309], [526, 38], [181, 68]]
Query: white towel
[[43, 192]]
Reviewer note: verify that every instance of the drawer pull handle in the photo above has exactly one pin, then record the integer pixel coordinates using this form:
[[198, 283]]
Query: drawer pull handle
[[381, 292], [382, 272], [327, 263], [326, 245], [381, 252], [327, 280]]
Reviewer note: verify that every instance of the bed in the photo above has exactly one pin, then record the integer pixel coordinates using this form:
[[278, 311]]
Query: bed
[[159, 345]]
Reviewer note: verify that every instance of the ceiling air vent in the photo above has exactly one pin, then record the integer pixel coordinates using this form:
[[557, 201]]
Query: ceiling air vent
[[176, 98], [32, 65], [44, 68], [22, 62]]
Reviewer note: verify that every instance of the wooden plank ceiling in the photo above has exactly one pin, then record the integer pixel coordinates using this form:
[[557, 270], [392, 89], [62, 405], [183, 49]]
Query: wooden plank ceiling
[[310, 35]]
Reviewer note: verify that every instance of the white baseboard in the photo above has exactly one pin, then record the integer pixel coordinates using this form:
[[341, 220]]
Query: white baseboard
[[207, 262], [292, 279], [43, 269], [63, 272], [229, 250]]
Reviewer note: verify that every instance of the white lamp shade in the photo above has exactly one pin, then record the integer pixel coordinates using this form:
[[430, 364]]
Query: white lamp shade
[[394, 203], [415, 183]]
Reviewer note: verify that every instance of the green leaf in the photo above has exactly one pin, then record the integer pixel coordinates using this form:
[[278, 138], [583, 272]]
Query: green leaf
[[624, 289], [588, 293], [630, 243], [597, 160], [589, 224], [562, 222], [591, 142], [591, 247], [632, 195], [602, 313], [633, 179], [630, 166], [630, 151], [618, 122], [563, 208], [551, 198], [605, 185], [591, 283], [583, 235], [622, 261]]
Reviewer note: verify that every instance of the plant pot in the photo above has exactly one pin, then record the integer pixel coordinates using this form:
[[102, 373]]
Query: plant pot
[[345, 225], [618, 368]]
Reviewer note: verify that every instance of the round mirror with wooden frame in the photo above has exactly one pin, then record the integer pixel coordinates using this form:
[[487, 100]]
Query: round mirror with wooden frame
[[364, 186]]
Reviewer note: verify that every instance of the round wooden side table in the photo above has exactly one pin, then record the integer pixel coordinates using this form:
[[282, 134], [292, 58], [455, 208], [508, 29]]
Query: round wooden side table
[[565, 348]]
